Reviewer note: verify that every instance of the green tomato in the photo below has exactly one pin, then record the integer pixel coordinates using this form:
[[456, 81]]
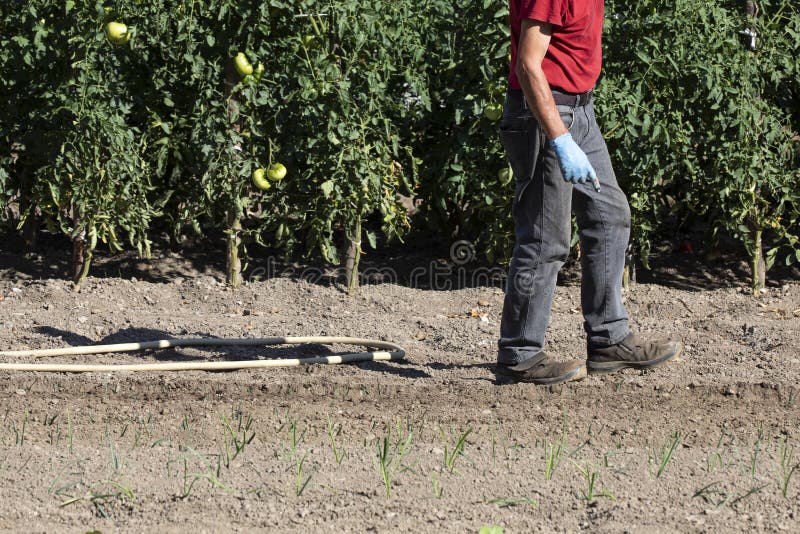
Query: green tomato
[[310, 41], [117, 33], [109, 10], [259, 180], [493, 112], [242, 65], [505, 176], [276, 172], [259, 71]]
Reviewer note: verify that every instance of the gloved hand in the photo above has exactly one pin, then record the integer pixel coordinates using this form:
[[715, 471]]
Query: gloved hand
[[574, 164]]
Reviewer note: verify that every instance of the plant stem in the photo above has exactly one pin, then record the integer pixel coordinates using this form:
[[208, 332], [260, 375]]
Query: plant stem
[[234, 264], [353, 257], [30, 228], [81, 261], [759, 266]]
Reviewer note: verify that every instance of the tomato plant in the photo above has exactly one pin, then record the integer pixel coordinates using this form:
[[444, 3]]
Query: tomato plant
[[703, 127], [463, 190], [86, 175], [367, 101], [352, 91]]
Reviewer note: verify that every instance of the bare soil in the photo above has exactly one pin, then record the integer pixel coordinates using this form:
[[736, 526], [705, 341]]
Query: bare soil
[[709, 443]]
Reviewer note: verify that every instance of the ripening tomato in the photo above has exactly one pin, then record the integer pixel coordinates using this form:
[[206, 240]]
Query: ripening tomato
[[505, 176], [117, 33], [276, 172], [260, 180], [259, 71], [493, 112], [242, 65]]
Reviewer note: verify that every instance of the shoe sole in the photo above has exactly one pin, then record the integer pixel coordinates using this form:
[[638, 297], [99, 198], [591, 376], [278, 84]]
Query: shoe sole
[[579, 373], [598, 368]]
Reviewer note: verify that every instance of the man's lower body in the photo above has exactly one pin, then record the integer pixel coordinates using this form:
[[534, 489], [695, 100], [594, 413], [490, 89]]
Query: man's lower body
[[543, 205]]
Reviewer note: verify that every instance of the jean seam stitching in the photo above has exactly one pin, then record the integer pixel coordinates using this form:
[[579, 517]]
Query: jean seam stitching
[[535, 268], [599, 209]]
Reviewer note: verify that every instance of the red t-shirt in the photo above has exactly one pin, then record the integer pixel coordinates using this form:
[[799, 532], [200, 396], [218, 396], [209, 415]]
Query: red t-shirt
[[573, 60]]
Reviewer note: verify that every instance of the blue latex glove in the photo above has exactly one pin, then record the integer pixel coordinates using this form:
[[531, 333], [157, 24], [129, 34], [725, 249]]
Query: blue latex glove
[[574, 164]]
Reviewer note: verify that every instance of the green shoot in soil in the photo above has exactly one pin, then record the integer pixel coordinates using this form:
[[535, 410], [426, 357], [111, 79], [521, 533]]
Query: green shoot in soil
[[19, 433], [69, 430], [591, 476], [334, 431], [54, 432], [390, 456], [788, 468], [667, 451], [509, 502], [384, 465], [301, 481], [195, 477], [494, 448], [114, 457], [437, 486], [756, 450], [191, 478], [294, 439], [100, 495], [236, 440], [752, 491], [715, 458], [450, 456], [718, 498], [552, 455]]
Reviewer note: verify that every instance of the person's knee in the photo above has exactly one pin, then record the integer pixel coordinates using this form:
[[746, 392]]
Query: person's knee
[[625, 216], [554, 249], [558, 251]]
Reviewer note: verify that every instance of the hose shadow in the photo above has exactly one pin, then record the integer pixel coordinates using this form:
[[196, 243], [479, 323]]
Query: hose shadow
[[201, 353], [489, 366], [399, 368]]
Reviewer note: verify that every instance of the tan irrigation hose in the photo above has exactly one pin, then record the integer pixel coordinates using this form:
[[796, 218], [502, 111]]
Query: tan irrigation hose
[[391, 352]]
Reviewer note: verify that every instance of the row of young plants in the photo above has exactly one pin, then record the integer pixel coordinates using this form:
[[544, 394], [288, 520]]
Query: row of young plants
[[124, 116]]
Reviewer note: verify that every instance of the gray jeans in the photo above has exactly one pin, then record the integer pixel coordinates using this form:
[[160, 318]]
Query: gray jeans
[[542, 207]]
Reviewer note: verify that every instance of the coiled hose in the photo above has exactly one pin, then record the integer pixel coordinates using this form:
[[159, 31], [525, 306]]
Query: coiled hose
[[387, 352]]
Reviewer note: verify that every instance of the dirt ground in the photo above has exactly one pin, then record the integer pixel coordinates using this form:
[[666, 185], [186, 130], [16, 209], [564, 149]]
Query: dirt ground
[[710, 443]]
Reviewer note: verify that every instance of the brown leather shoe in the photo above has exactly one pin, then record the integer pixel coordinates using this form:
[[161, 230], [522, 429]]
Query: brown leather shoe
[[632, 352], [542, 370]]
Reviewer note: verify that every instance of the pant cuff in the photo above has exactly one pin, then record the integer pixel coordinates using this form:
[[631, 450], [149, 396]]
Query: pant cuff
[[516, 356], [611, 339]]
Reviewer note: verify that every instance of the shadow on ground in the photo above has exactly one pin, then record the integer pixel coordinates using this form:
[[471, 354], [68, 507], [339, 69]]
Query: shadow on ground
[[423, 262], [231, 353]]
